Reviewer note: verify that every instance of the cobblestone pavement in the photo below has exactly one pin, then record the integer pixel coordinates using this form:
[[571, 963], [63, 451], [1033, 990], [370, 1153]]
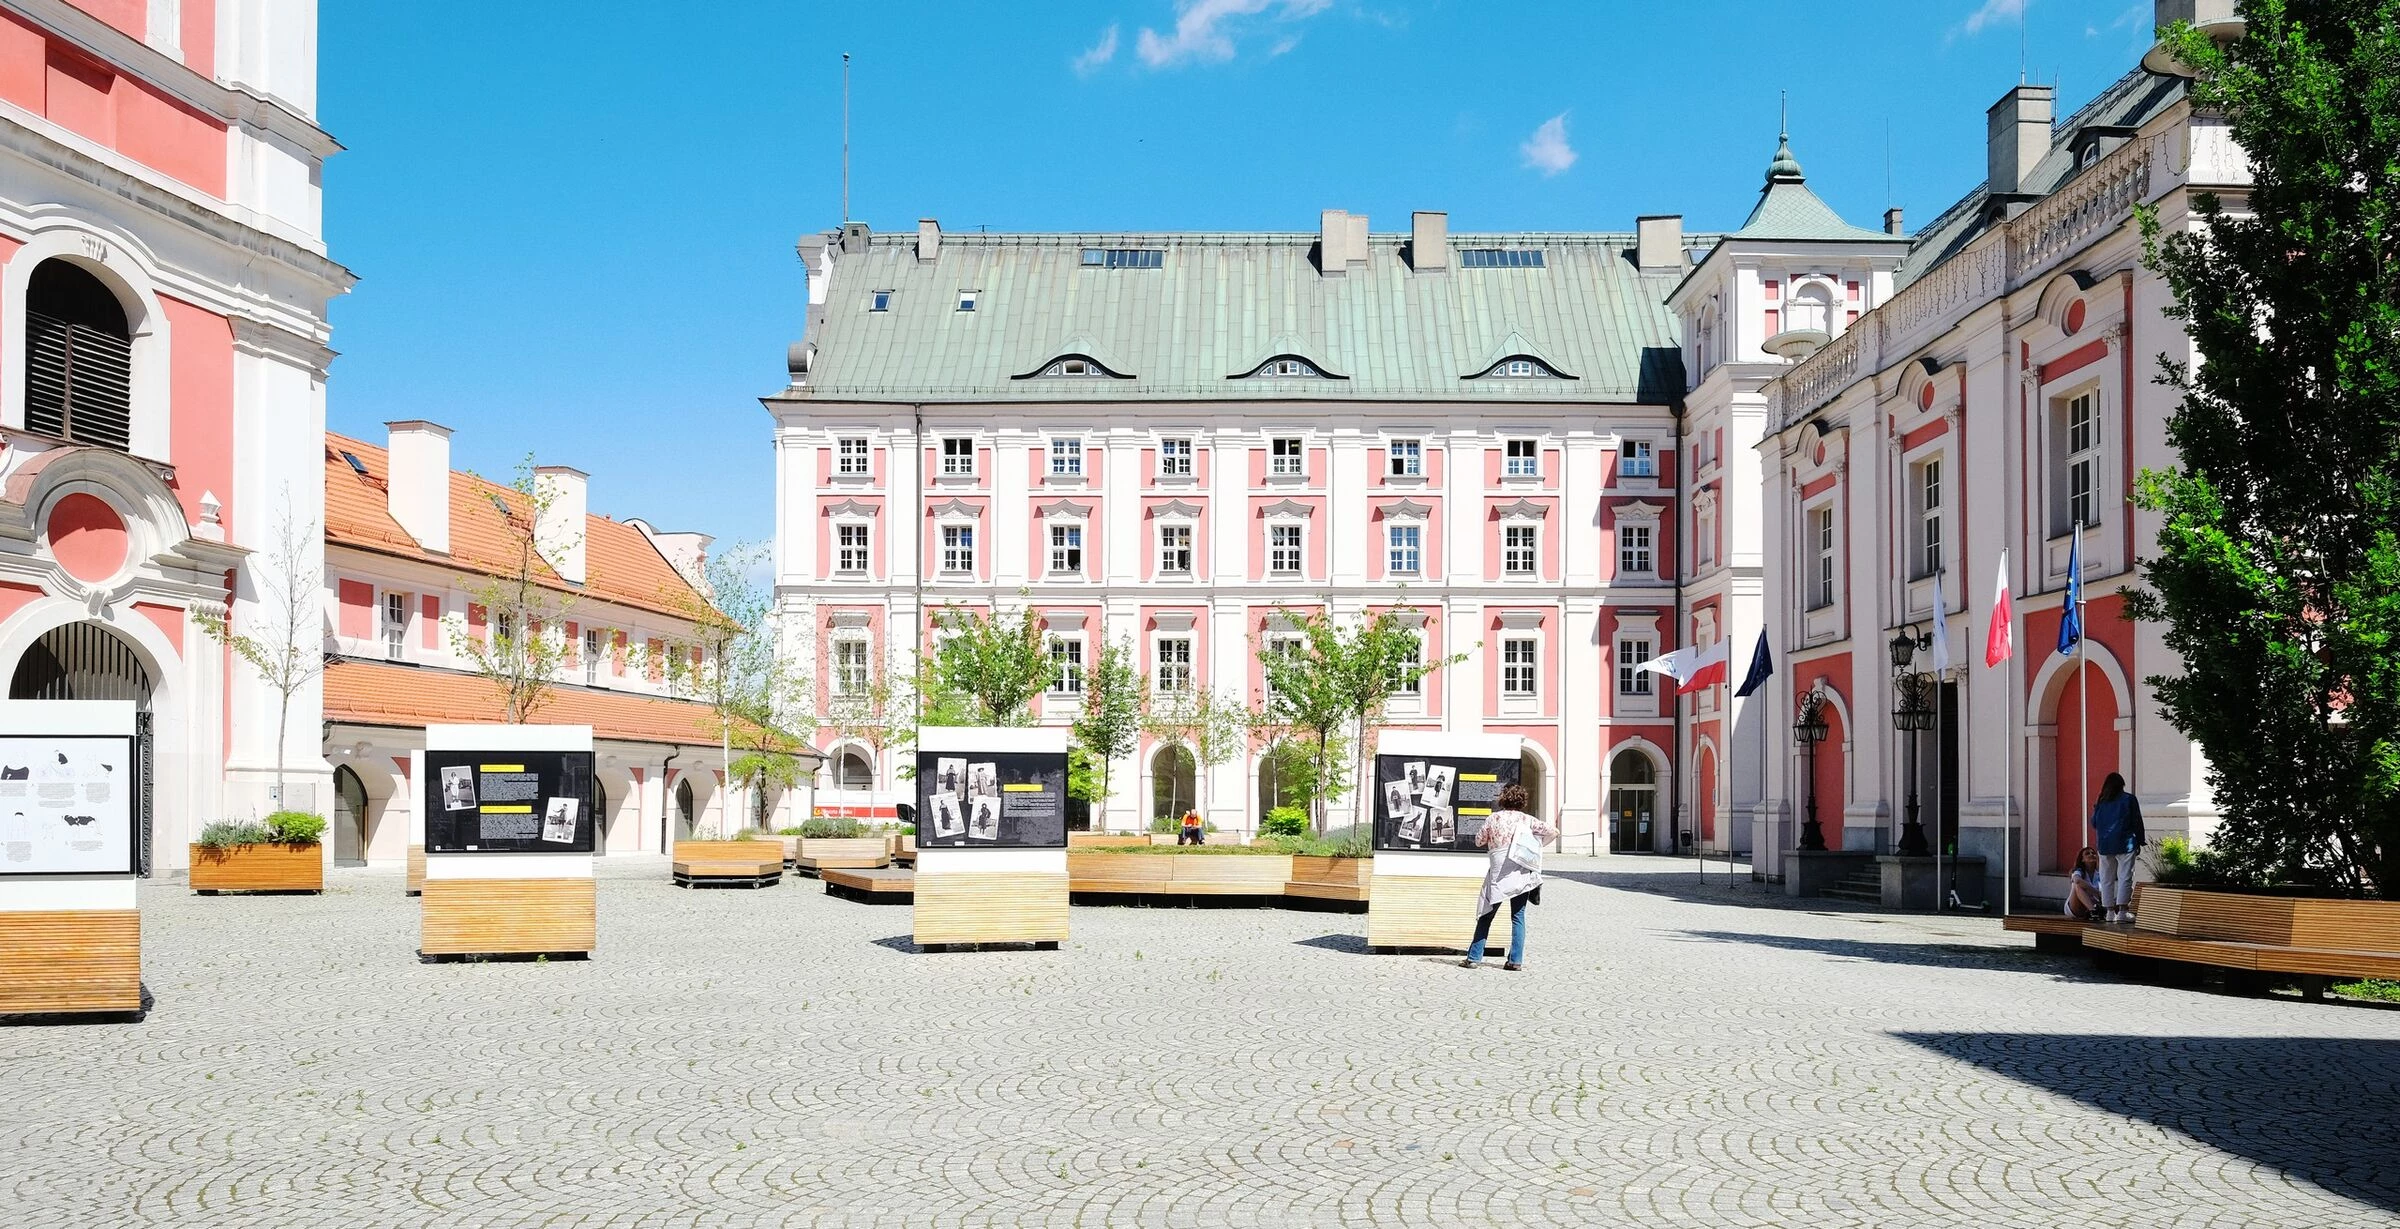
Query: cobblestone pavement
[[1679, 1054]]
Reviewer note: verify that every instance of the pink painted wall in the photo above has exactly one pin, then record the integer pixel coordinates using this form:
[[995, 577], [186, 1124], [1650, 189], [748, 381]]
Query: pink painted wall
[[828, 550], [200, 36], [1039, 562], [13, 597], [1202, 458], [357, 619], [1198, 633], [1495, 461], [87, 537], [1432, 460], [1199, 526], [200, 410], [1545, 536], [933, 468], [832, 490], [1429, 563], [1312, 535], [54, 79], [167, 619], [429, 622], [931, 563]]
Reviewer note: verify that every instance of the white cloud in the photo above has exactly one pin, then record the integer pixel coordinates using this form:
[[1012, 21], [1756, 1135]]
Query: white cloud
[[1099, 53], [1992, 12], [1547, 150], [1204, 29]]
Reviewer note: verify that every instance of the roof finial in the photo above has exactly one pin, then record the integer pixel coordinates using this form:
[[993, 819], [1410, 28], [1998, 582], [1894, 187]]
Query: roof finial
[[1785, 168]]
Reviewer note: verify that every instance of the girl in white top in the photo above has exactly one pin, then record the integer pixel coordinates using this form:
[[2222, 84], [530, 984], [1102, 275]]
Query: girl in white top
[[2084, 901], [1515, 874]]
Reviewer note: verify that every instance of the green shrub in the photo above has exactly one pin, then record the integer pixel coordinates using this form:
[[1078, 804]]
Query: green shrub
[[753, 834], [789, 832], [1284, 821], [829, 826], [2372, 988], [295, 828], [1350, 844], [1169, 825], [2177, 862], [232, 834]]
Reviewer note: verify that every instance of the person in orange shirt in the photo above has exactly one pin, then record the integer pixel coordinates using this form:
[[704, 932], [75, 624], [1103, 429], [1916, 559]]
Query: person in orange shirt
[[1192, 834]]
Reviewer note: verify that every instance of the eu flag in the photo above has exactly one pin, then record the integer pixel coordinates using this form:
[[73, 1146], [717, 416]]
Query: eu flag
[[2070, 619]]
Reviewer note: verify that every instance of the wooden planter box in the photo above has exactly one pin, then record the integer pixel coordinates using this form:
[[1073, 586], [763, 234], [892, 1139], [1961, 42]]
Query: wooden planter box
[[755, 863], [258, 868], [1088, 840], [818, 852], [1331, 878], [1178, 875]]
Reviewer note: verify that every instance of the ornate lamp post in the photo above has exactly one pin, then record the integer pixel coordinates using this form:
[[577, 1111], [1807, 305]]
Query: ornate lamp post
[[1912, 714], [1808, 731]]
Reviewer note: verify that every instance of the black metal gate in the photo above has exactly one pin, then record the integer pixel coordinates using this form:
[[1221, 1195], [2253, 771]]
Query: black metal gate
[[86, 661]]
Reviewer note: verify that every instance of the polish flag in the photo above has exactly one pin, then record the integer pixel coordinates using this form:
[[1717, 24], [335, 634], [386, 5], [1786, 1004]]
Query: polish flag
[[1708, 668], [1997, 643]]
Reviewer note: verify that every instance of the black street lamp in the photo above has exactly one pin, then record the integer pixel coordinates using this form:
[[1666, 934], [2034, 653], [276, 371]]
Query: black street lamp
[[1808, 731], [1912, 714]]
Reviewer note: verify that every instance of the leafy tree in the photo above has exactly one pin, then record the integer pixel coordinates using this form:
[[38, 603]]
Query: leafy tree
[[288, 647], [2278, 566], [748, 670], [989, 668], [1110, 724], [1214, 728], [523, 649], [1330, 685], [879, 710]]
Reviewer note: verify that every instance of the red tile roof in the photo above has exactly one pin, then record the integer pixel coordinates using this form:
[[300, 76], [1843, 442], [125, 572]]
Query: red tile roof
[[381, 694]]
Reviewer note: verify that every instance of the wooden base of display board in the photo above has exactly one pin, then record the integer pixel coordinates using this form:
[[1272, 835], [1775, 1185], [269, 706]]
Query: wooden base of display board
[[1427, 912], [71, 962], [970, 908], [509, 917], [416, 870]]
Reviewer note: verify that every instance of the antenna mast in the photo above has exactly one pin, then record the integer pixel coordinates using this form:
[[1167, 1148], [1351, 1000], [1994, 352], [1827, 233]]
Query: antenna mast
[[845, 136]]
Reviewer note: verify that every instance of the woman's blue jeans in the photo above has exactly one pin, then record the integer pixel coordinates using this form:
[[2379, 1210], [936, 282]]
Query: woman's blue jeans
[[1516, 932]]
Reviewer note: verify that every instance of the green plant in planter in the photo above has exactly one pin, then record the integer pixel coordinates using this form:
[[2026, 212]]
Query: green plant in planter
[[1284, 821], [790, 832], [295, 828], [2179, 863], [832, 826], [232, 834]]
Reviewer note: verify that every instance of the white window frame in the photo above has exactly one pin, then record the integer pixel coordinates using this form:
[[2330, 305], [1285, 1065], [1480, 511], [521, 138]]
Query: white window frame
[[1065, 539], [1637, 459], [969, 300], [595, 646], [879, 301], [1066, 663], [847, 465], [952, 552], [958, 465], [842, 565], [1404, 559], [1066, 462], [1292, 466], [1188, 550], [1176, 458], [1520, 667], [1823, 551], [1637, 547], [1282, 644], [1171, 662], [1298, 548], [395, 625], [1926, 494], [1526, 465], [1413, 687], [1704, 533], [2080, 460], [1531, 550], [852, 668], [1632, 651], [1404, 457]]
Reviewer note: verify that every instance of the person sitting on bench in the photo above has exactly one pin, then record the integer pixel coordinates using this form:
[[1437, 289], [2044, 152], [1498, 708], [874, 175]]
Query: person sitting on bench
[[2083, 887]]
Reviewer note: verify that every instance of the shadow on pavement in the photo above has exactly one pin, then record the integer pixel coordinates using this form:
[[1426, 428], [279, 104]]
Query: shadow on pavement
[[1353, 944], [2064, 966], [2317, 1109]]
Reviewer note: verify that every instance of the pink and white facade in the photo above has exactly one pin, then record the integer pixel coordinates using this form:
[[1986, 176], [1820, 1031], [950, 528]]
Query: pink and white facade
[[163, 286], [1169, 440]]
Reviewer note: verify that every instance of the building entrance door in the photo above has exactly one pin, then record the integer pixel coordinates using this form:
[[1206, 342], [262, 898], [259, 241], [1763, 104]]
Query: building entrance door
[[86, 661], [1632, 804]]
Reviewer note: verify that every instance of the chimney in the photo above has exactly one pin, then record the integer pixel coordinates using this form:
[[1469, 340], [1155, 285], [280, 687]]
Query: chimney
[[1429, 241], [417, 482], [686, 552], [929, 238], [1341, 242], [854, 238], [558, 532], [1658, 241], [1891, 222], [2019, 134]]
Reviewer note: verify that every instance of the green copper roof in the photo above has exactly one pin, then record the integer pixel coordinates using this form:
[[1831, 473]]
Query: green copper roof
[[1220, 305], [1786, 209]]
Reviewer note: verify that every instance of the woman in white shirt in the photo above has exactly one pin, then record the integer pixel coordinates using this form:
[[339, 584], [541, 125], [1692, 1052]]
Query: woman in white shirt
[[1515, 839]]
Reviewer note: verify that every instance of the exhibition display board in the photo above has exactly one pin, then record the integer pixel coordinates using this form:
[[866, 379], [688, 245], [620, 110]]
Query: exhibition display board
[[70, 846], [991, 836], [1432, 792], [509, 830]]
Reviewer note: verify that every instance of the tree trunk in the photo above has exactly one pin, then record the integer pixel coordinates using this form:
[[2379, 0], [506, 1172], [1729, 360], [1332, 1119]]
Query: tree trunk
[[283, 722]]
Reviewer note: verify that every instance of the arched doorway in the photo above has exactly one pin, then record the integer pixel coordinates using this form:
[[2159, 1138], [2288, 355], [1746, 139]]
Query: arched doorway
[[1282, 777], [1174, 777], [78, 358], [1632, 803], [1536, 783], [349, 818], [86, 661], [683, 809], [600, 815]]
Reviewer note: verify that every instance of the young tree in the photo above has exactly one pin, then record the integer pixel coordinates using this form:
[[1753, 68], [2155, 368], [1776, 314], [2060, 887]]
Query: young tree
[[288, 647], [1110, 724], [523, 649], [989, 668], [878, 709], [1332, 684], [749, 671], [2278, 566], [1214, 728]]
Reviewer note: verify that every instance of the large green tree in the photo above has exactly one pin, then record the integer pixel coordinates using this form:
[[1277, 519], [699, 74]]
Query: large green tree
[[2278, 567], [1329, 685], [1110, 724]]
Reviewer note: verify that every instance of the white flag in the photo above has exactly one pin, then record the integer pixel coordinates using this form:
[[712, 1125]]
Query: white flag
[[1677, 665], [1941, 628]]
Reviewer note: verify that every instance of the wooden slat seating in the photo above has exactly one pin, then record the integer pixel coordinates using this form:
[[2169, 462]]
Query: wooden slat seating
[[965, 908], [1090, 870], [2307, 938], [842, 852], [879, 885], [728, 863], [70, 962], [1338, 879], [494, 917], [1426, 911], [1096, 840], [416, 870]]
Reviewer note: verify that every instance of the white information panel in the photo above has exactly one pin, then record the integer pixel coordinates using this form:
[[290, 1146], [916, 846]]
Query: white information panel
[[69, 786]]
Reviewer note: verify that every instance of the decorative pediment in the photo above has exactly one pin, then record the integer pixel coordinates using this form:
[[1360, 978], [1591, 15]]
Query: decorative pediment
[[1064, 620], [1517, 620], [1282, 349], [953, 508], [1409, 616], [1173, 620], [1406, 510], [1055, 362], [852, 508], [1176, 507], [1521, 510], [1288, 508], [1639, 511], [841, 619], [1516, 348], [1063, 510]]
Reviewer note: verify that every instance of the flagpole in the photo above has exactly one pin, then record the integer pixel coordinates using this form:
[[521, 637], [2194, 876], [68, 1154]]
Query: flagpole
[[2083, 688]]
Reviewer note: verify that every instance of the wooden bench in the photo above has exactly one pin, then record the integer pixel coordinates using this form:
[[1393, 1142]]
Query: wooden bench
[[875, 885], [2314, 941], [2050, 931], [819, 853], [749, 864], [1147, 874], [1344, 880]]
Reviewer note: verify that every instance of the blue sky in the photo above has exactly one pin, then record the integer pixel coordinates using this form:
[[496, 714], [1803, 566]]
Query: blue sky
[[574, 222]]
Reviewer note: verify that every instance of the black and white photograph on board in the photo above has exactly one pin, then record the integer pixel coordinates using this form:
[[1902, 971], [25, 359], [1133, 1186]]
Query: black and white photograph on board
[[950, 777], [948, 821], [66, 805], [558, 821], [983, 822], [1435, 804], [983, 781], [997, 799], [1444, 822], [1440, 780], [458, 787]]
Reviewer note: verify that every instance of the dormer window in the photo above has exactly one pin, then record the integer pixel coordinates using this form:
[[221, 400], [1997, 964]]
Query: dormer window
[[1287, 367], [1500, 258], [967, 299], [1072, 367], [1521, 367], [1124, 258]]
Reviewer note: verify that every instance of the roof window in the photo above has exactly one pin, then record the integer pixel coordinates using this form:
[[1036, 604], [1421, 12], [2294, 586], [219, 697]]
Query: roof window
[[1287, 367], [1124, 258], [880, 301], [1520, 367], [967, 299], [1501, 258], [357, 466]]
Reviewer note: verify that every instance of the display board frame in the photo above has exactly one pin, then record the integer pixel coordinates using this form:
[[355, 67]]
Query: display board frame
[[995, 795], [121, 814], [488, 787], [1430, 797]]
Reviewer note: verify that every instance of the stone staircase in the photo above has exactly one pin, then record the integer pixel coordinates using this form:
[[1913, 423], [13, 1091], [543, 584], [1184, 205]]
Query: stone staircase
[[1862, 886]]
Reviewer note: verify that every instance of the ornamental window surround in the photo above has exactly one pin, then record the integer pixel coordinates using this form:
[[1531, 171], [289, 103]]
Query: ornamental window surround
[[1172, 665], [1175, 456], [850, 548], [1066, 664], [1632, 652], [1286, 457], [850, 457], [1066, 456], [1519, 657], [1283, 548], [958, 549], [850, 673]]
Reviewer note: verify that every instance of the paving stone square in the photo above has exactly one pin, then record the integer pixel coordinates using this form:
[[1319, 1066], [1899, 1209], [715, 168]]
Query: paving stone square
[[1679, 1053]]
